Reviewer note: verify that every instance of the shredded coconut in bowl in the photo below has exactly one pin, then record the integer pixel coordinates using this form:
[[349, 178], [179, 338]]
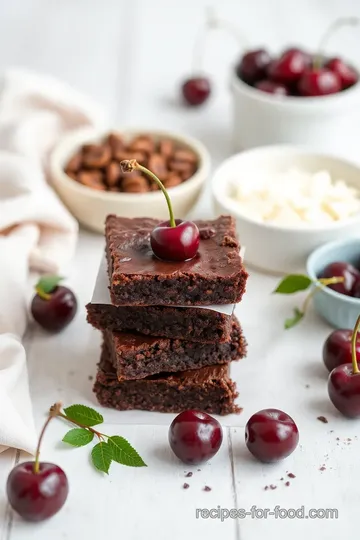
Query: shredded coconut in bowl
[[295, 198]]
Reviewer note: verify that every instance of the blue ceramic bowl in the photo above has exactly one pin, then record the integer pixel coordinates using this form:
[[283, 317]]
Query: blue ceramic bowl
[[339, 310]]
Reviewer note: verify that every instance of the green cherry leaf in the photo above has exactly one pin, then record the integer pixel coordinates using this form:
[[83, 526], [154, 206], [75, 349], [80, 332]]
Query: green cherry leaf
[[48, 283], [78, 437], [293, 283], [124, 453], [84, 415], [101, 456], [293, 321]]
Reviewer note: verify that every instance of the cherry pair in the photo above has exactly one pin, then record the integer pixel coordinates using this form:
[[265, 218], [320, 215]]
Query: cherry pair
[[270, 435], [341, 353]]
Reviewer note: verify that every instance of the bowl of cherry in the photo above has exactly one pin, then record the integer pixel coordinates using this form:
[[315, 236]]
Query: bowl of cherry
[[339, 304], [296, 97]]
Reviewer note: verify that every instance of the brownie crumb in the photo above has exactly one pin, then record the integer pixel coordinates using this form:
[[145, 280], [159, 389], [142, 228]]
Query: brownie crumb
[[331, 431], [291, 475], [90, 377], [281, 479], [272, 486], [189, 474], [207, 488], [323, 419], [348, 439], [207, 233], [266, 488], [338, 438], [287, 484], [322, 468], [307, 385], [186, 486], [199, 470]]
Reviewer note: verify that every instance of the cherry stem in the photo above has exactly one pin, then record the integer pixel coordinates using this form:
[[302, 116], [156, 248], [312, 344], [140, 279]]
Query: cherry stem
[[54, 411], [324, 282], [353, 347], [42, 294], [339, 23], [212, 23], [129, 165]]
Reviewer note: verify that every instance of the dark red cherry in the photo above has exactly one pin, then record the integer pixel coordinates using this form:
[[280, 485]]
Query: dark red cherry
[[319, 82], [58, 311], [196, 90], [337, 349], [347, 75], [345, 270], [272, 87], [271, 435], [37, 496], [289, 67], [178, 243], [195, 436], [253, 65], [356, 289], [344, 390]]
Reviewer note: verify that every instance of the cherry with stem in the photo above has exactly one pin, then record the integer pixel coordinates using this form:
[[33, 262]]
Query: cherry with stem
[[172, 240], [38, 490], [294, 283], [324, 78], [344, 382], [197, 88]]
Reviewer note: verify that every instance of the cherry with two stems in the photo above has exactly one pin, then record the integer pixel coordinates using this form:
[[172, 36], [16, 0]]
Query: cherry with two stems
[[344, 382], [172, 240]]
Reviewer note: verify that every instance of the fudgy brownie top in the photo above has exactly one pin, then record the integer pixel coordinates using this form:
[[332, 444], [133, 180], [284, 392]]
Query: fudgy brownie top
[[129, 251]]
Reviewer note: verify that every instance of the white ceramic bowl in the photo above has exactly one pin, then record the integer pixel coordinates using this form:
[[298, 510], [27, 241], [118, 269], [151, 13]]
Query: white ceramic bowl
[[90, 207], [271, 247], [325, 124]]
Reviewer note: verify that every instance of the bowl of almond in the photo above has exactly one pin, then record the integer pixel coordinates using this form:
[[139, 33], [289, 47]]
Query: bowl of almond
[[85, 171]]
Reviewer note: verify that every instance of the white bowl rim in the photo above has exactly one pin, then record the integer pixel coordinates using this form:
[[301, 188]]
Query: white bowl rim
[[325, 248], [275, 149], [84, 135], [288, 101]]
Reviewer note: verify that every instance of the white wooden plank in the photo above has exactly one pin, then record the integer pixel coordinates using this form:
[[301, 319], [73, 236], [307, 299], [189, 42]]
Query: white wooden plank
[[134, 503], [7, 461], [333, 488]]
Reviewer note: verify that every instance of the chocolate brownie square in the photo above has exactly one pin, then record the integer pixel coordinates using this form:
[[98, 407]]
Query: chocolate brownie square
[[208, 389], [192, 324], [215, 275], [135, 356]]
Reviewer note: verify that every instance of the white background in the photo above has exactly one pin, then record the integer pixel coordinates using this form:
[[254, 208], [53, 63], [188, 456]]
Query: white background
[[130, 56]]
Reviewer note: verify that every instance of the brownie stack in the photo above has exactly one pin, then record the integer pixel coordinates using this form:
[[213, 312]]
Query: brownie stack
[[161, 351]]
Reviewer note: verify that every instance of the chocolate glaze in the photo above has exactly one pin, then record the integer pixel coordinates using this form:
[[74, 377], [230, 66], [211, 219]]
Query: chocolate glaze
[[218, 254]]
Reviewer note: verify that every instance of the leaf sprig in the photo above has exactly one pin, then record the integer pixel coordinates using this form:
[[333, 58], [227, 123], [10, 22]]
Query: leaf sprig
[[294, 283], [108, 449]]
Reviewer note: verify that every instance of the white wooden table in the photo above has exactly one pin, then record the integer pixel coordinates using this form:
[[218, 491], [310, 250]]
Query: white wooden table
[[130, 56]]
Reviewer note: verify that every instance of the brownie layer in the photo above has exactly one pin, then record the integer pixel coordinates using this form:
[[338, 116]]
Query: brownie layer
[[207, 389], [192, 324], [135, 356], [215, 275]]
